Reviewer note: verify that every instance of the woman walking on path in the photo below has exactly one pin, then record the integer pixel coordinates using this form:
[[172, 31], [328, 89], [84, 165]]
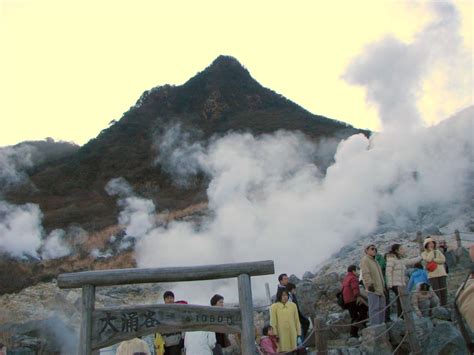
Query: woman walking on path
[[395, 271], [435, 260], [285, 322]]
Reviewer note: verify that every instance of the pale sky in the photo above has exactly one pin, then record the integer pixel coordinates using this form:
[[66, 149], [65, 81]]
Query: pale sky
[[69, 67]]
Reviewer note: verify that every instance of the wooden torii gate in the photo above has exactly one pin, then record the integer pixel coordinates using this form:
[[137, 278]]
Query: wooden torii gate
[[106, 326]]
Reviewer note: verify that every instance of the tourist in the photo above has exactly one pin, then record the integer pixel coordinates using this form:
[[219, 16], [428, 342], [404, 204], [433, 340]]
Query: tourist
[[268, 342], [222, 340], [199, 343], [352, 299], [417, 277], [465, 295], [291, 288], [373, 280], [395, 271], [424, 300], [282, 283], [381, 260], [134, 346], [285, 322], [434, 264], [174, 342]]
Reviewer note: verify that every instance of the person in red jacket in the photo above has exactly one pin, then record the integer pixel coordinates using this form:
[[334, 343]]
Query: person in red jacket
[[351, 295]]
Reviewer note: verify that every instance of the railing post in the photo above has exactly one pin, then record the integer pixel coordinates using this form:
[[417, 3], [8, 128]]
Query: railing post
[[458, 251], [410, 329], [419, 239], [246, 310], [88, 304], [320, 340], [269, 296]]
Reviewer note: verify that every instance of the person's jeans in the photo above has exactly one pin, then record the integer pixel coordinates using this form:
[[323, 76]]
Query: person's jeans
[[439, 285], [376, 308]]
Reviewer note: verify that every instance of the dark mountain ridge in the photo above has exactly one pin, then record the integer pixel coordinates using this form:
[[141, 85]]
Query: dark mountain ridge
[[223, 98]]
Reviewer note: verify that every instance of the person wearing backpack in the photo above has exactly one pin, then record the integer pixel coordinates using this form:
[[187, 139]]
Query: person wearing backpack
[[351, 298], [434, 264]]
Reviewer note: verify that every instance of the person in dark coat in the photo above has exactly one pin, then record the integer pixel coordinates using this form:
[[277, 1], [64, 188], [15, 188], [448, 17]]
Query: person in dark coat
[[222, 340], [291, 287], [351, 294]]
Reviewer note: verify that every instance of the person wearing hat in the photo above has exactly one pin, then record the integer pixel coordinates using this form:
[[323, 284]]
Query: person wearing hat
[[373, 280], [434, 264]]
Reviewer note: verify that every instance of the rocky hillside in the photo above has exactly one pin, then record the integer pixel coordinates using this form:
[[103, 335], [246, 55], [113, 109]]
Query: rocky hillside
[[222, 98]]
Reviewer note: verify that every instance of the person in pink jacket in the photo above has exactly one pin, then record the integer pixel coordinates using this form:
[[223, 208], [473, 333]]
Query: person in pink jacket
[[269, 342]]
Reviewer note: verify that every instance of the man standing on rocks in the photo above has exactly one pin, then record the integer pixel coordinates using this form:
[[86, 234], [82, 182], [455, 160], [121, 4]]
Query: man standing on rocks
[[373, 280]]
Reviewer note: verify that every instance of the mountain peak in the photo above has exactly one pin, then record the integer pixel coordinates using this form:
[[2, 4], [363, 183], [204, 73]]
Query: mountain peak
[[222, 70]]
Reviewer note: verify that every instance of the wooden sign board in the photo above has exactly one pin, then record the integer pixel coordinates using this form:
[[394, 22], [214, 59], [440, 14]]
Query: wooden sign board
[[112, 325]]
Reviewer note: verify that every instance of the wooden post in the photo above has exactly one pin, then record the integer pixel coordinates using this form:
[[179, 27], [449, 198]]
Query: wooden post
[[320, 341], [246, 309], [410, 329], [419, 239], [269, 296], [457, 236], [88, 304]]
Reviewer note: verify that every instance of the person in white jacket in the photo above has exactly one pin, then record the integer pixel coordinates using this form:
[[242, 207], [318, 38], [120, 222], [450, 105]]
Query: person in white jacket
[[199, 343], [395, 270]]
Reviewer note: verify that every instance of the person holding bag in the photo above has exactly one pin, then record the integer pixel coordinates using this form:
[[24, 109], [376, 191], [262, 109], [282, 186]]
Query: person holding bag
[[434, 264]]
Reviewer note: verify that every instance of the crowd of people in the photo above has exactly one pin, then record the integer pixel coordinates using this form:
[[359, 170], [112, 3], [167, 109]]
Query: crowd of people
[[365, 296]]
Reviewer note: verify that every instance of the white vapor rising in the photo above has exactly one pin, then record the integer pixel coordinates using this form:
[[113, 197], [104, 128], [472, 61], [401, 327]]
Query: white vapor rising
[[22, 233], [20, 229], [393, 72], [137, 213], [13, 162], [269, 201], [174, 146], [55, 246]]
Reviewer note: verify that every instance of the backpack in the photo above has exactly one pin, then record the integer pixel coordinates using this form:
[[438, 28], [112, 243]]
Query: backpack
[[340, 299]]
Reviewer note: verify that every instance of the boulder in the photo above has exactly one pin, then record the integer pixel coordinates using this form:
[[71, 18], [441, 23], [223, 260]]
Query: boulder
[[444, 339], [441, 313], [307, 275], [375, 340], [294, 279], [338, 324]]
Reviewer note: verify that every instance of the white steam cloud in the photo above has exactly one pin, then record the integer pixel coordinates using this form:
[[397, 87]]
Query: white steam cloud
[[393, 72], [22, 233], [268, 200], [20, 229], [13, 162], [138, 214], [55, 245]]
